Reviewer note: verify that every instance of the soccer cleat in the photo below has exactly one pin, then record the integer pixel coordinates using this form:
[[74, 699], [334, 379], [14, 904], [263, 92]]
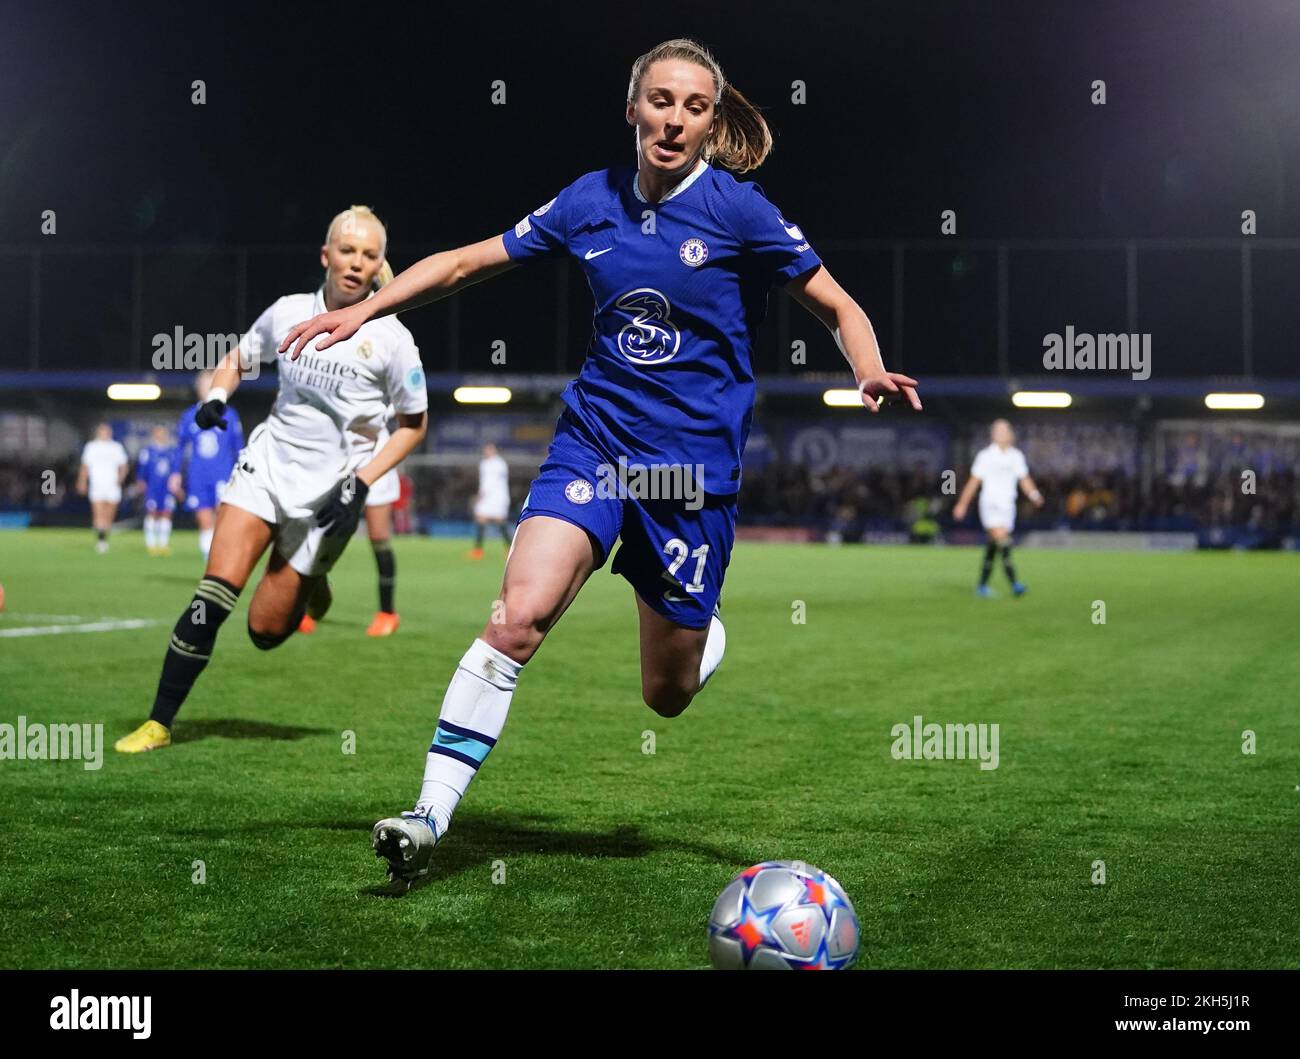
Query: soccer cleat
[[318, 603], [385, 623], [1019, 588], [149, 736], [307, 625], [101, 547], [407, 843], [984, 592], [476, 553]]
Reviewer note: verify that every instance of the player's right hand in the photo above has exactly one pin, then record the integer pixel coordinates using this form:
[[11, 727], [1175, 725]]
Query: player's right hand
[[212, 414], [336, 326], [958, 513]]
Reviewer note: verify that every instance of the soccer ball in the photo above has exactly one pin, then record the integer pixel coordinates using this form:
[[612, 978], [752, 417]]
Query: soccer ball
[[782, 915]]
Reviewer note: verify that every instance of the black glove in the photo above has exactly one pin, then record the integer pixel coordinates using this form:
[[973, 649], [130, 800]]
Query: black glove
[[211, 414], [342, 511]]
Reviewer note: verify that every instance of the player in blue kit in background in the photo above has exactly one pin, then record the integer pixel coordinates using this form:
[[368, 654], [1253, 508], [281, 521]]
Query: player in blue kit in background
[[155, 470], [680, 258], [208, 457]]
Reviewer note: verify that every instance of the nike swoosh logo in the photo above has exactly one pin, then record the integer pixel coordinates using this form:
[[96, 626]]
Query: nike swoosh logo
[[596, 253]]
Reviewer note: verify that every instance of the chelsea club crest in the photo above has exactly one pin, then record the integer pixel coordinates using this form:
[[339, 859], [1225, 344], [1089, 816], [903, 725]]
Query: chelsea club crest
[[693, 252]]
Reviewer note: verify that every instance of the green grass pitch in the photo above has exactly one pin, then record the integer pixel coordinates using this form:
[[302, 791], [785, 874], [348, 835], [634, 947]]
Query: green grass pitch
[[1120, 743]]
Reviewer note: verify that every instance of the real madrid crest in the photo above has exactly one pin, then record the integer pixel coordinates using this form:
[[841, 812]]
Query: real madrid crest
[[365, 349]]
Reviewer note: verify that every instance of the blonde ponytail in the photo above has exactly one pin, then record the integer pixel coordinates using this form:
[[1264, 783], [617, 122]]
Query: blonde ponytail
[[384, 275], [740, 140]]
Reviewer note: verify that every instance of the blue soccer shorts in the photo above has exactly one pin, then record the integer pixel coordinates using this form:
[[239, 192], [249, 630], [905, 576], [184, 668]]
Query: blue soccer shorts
[[674, 554]]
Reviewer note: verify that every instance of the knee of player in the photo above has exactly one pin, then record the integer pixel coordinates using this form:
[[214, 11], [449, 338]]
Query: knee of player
[[265, 639], [667, 699]]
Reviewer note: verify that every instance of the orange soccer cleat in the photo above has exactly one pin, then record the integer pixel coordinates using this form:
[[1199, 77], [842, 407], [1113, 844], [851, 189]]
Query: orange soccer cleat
[[385, 624], [308, 624], [476, 553]]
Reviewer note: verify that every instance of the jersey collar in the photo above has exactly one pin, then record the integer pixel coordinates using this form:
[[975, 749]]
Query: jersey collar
[[695, 175]]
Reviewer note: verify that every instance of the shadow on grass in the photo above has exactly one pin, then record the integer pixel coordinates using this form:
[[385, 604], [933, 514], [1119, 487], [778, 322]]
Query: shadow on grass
[[477, 839], [233, 728]]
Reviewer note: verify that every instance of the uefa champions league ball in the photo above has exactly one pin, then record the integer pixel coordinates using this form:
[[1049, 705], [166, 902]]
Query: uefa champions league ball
[[783, 915]]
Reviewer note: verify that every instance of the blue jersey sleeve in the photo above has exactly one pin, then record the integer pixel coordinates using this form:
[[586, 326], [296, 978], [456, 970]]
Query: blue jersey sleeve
[[778, 245], [545, 231]]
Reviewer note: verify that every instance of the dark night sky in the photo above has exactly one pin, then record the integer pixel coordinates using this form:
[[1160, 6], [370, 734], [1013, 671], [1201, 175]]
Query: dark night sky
[[912, 108]]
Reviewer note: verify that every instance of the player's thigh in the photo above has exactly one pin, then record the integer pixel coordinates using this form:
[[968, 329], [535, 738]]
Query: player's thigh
[[550, 561], [379, 522], [238, 543], [998, 534], [278, 603], [670, 654]]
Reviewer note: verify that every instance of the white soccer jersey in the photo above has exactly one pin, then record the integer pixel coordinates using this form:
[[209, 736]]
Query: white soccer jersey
[[333, 406], [102, 460], [999, 470], [494, 480]]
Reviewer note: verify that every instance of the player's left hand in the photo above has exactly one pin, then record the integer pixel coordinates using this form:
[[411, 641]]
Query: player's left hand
[[876, 389], [342, 512]]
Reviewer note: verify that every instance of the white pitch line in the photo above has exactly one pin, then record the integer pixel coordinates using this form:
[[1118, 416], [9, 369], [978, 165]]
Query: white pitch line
[[27, 615], [94, 626]]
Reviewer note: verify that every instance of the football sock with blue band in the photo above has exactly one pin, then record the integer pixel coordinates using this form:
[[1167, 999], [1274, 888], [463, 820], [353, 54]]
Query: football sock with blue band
[[474, 712]]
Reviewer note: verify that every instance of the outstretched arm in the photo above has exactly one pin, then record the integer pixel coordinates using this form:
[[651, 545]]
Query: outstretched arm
[[818, 292], [1030, 490], [427, 280], [967, 495]]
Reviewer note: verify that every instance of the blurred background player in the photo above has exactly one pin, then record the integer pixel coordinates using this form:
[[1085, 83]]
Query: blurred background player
[[492, 502], [155, 471], [662, 326], [999, 469], [300, 484], [103, 470], [207, 456], [379, 527]]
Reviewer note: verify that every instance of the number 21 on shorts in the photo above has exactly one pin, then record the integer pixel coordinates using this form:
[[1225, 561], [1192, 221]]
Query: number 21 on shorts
[[679, 550]]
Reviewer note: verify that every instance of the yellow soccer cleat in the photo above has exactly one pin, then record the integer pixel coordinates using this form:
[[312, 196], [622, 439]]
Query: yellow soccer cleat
[[149, 736]]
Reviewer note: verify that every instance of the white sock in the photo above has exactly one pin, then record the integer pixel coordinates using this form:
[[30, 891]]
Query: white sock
[[205, 542], [714, 648], [150, 534], [163, 532], [473, 713]]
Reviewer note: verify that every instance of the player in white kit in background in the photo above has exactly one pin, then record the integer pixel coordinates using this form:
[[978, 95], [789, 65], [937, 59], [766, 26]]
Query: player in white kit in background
[[103, 470], [300, 484], [999, 469], [492, 502]]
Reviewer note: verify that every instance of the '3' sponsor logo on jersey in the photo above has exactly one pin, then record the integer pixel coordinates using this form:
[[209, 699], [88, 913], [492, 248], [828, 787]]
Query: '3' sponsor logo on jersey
[[650, 337]]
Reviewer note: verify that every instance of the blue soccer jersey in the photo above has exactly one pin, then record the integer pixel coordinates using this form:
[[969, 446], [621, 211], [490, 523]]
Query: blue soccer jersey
[[209, 456], [680, 287], [154, 467]]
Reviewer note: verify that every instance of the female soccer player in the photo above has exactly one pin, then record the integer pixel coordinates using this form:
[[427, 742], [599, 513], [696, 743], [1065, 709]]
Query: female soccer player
[[156, 479], [492, 501], [301, 481], [681, 258], [999, 467], [103, 470]]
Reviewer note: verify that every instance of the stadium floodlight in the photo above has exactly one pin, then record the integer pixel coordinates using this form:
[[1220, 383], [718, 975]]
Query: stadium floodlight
[[482, 394], [134, 391], [1234, 402], [842, 398], [1041, 399]]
